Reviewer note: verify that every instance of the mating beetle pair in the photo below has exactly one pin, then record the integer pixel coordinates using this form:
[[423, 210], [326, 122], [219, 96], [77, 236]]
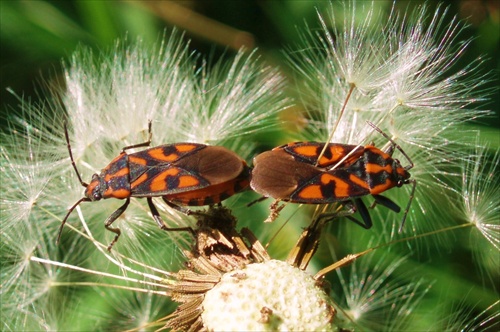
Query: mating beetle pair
[[190, 174]]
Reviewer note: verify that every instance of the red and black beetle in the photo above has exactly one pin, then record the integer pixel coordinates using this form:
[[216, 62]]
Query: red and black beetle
[[181, 173], [298, 173]]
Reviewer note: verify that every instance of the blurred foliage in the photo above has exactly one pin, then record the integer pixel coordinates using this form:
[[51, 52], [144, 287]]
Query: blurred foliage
[[37, 35]]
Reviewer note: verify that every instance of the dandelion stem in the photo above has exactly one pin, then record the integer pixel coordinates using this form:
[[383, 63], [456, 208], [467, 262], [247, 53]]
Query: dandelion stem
[[95, 284], [351, 89], [393, 108], [77, 268], [352, 257], [414, 237]]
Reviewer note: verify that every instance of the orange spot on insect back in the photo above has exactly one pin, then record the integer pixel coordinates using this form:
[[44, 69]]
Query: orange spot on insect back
[[311, 192], [383, 187], [359, 182], [159, 183], [122, 172], [374, 168], [117, 193], [158, 154], [185, 147], [341, 189], [136, 160], [336, 153], [172, 171], [188, 181], [139, 180], [309, 151]]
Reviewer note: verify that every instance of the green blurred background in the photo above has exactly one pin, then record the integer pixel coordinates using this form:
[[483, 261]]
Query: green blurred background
[[37, 35]]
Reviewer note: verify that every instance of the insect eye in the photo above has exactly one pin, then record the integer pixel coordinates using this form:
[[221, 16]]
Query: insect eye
[[96, 194]]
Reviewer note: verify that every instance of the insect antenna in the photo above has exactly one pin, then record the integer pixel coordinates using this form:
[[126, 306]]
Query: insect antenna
[[83, 199], [412, 193], [71, 156], [410, 166]]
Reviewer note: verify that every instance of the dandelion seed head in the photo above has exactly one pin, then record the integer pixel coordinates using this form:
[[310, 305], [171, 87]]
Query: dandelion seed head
[[27, 166], [478, 206], [115, 99], [464, 317], [368, 292], [357, 55], [29, 289], [16, 254], [237, 301], [137, 310], [407, 85], [480, 192], [235, 99], [110, 100]]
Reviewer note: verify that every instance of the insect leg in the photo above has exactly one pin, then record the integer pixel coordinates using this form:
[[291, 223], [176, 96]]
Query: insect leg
[[275, 209], [363, 211], [143, 144], [359, 206], [329, 216], [388, 203], [308, 243], [112, 218], [179, 208], [258, 200], [160, 222]]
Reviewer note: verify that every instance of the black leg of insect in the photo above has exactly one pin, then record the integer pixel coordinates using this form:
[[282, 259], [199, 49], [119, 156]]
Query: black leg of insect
[[308, 242]]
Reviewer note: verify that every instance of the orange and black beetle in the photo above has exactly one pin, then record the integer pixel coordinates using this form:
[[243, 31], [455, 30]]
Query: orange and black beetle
[[297, 173], [181, 173]]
